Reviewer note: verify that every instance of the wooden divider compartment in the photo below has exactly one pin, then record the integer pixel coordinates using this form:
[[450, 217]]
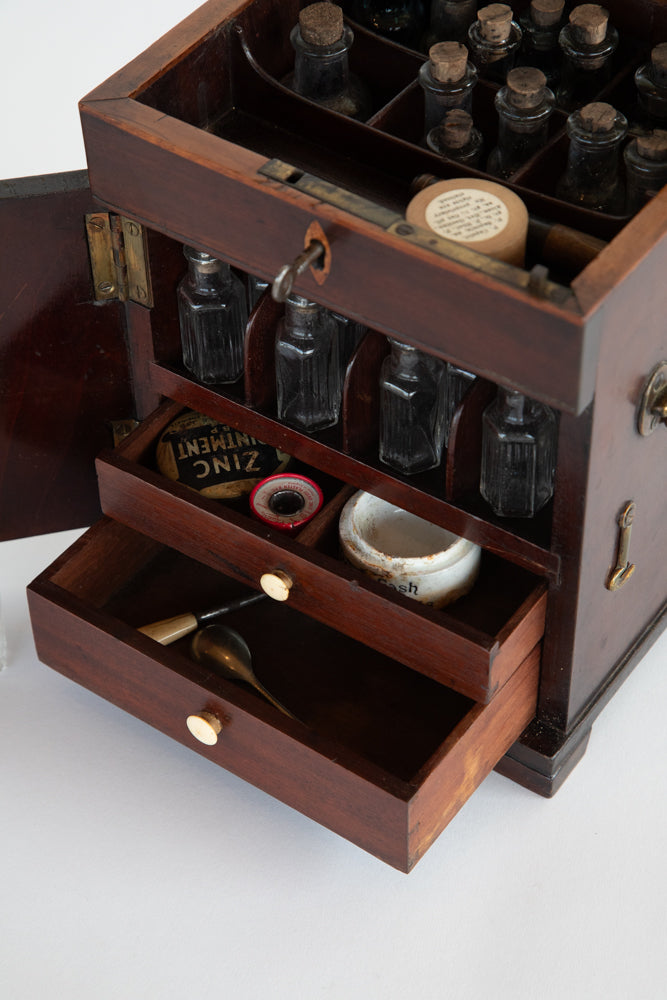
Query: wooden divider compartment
[[474, 645], [380, 754]]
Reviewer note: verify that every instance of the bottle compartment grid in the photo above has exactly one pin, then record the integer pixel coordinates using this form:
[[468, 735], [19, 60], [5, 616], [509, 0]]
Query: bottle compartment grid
[[448, 495], [239, 96]]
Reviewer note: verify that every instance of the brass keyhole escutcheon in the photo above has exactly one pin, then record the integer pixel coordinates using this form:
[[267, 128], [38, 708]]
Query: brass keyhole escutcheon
[[623, 569], [653, 404]]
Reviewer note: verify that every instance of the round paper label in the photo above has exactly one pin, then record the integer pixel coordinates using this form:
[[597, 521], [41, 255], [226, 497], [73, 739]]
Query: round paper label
[[467, 215]]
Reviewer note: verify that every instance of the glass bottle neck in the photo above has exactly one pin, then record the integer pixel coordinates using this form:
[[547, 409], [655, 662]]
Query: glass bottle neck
[[405, 359], [301, 316], [209, 277], [514, 406]]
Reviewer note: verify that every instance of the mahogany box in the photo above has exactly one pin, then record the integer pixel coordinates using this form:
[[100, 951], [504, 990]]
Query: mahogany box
[[401, 710]]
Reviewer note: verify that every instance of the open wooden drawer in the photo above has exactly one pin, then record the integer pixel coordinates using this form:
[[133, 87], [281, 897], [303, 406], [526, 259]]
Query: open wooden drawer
[[381, 754], [473, 646]]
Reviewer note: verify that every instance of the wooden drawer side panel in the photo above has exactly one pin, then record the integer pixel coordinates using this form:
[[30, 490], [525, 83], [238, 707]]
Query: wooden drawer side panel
[[472, 752]]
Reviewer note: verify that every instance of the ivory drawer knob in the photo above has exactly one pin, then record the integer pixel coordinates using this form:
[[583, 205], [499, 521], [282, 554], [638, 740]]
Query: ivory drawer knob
[[205, 727], [276, 584]]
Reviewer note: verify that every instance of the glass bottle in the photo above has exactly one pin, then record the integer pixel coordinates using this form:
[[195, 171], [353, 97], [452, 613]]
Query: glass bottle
[[645, 168], [322, 43], [592, 178], [541, 24], [588, 43], [651, 85], [524, 107], [401, 21], [449, 21], [457, 139], [494, 41], [447, 79], [518, 454], [213, 313], [308, 379], [412, 416]]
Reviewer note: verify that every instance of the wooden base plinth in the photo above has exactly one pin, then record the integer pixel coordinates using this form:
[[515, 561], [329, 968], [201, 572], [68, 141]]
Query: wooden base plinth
[[543, 756]]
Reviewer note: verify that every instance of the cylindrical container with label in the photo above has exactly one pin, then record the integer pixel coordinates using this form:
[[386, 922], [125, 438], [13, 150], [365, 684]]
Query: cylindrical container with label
[[412, 556], [476, 213], [286, 502]]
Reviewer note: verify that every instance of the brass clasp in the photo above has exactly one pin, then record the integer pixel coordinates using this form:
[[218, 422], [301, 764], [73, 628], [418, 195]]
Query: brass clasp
[[623, 569]]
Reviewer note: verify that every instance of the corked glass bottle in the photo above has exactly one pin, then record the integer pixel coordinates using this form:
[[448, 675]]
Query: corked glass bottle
[[457, 139], [494, 41], [651, 85], [412, 417], [401, 21], [308, 380], [212, 313], [645, 168], [588, 43], [449, 21], [592, 178], [447, 79], [518, 454], [322, 42], [524, 106], [541, 24]]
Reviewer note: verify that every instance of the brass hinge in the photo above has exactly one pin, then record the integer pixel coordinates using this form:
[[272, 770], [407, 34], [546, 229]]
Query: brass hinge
[[118, 259]]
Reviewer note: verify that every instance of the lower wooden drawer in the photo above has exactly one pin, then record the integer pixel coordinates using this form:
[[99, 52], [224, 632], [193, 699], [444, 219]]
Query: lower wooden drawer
[[380, 754]]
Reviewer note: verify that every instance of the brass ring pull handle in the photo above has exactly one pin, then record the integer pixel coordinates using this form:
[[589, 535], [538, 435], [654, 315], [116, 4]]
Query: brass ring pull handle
[[653, 404]]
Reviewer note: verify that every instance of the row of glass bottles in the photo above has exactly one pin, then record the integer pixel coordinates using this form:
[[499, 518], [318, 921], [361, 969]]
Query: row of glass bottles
[[418, 393], [418, 397], [525, 105], [574, 53], [313, 348]]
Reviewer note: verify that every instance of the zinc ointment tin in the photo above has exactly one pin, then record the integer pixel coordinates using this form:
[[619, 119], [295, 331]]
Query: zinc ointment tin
[[412, 556], [215, 459], [286, 502]]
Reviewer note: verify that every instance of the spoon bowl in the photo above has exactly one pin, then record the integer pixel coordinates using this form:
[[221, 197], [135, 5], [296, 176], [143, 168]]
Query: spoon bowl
[[226, 652]]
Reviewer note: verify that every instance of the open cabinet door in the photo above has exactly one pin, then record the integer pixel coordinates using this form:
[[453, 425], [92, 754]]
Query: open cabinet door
[[63, 359]]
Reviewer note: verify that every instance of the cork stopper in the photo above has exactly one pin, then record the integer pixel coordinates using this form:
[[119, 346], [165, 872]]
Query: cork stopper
[[495, 22], [525, 86], [653, 146], [475, 213], [598, 117], [455, 129], [546, 13], [589, 22], [659, 63], [448, 61], [321, 23]]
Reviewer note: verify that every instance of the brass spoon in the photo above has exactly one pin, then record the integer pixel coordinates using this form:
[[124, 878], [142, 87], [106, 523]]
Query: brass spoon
[[225, 651]]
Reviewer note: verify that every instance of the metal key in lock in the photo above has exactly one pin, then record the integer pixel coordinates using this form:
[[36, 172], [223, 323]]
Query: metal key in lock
[[623, 569], [288, 273]]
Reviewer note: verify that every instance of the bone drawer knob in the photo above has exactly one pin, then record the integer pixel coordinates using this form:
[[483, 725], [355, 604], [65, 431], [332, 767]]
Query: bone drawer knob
[[205, 727], [276, 584]]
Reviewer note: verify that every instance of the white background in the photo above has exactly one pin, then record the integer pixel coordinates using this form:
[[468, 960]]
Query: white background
[[131, 868]]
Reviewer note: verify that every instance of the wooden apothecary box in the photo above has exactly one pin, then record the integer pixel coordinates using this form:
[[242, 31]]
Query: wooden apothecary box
[[403, 710]]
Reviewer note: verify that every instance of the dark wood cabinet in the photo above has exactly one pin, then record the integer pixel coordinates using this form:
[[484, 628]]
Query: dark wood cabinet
[[403, 710]]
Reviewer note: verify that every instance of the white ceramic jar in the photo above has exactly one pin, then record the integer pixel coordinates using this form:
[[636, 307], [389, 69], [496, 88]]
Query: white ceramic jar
[[411, 555]]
